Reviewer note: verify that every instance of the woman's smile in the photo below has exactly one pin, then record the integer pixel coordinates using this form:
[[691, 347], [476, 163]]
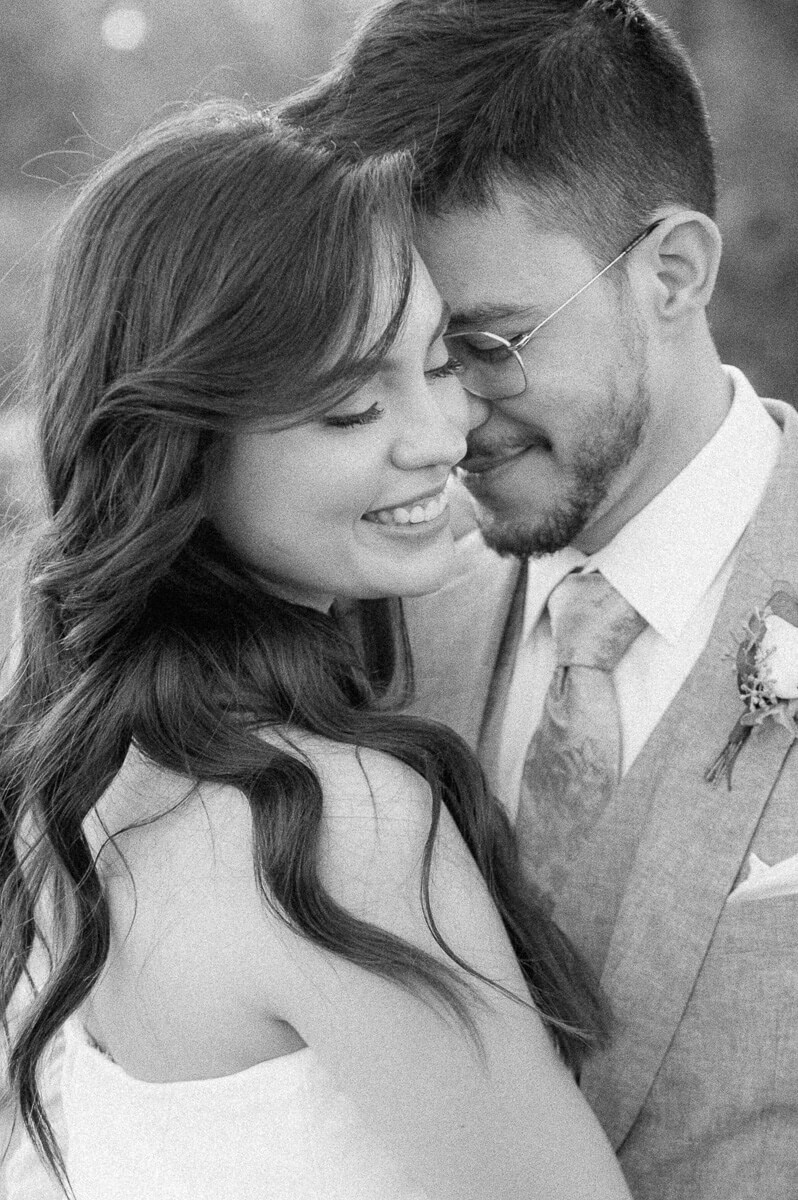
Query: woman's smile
[[423, 510]]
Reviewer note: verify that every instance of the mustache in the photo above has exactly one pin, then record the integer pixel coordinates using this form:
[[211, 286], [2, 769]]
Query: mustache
[[483, 449]]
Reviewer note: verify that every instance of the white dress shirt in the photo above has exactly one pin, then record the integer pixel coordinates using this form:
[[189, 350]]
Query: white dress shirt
[[672, 562]]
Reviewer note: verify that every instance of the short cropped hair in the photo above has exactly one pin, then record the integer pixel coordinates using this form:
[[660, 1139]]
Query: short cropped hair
[[590, 106]]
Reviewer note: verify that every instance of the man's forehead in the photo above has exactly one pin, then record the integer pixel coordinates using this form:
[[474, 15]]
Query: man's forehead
[[513, 211], [478, 229], [497, 262]]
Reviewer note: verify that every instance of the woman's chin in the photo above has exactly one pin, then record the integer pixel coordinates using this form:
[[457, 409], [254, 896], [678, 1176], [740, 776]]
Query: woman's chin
[[409, 574], [406, 560], [429, 579]]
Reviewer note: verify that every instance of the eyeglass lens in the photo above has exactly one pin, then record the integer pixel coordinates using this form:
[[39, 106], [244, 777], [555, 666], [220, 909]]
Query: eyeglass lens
[[491, 369]]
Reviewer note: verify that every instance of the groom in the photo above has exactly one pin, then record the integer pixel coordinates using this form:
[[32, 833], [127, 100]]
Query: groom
[[637, 503]]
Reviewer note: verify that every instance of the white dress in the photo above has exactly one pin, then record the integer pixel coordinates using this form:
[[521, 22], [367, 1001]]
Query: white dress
[[280, 1130]]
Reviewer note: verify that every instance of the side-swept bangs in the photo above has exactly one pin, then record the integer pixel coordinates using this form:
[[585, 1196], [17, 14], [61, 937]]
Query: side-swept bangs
[[218, 271]]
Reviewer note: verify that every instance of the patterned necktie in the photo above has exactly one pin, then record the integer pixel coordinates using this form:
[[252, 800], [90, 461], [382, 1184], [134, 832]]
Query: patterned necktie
[[574, 759]]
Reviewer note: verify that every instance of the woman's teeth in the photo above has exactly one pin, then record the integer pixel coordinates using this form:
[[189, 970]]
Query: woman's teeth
[[417, 515]]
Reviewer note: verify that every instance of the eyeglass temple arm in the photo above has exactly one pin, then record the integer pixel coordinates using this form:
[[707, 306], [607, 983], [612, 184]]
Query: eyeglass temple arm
[[635, 242]]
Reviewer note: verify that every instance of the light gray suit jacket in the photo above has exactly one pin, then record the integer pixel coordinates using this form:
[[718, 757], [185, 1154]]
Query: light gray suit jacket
[[698, 1091]]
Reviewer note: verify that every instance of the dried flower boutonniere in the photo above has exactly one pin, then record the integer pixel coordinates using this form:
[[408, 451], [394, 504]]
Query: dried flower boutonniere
[[767, 677]]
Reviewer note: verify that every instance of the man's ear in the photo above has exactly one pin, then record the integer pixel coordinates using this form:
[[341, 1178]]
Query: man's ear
[[683, 256]]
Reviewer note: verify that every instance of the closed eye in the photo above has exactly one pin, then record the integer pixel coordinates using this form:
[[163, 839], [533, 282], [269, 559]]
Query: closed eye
[[350, 420], [480, 346], [451, 367]]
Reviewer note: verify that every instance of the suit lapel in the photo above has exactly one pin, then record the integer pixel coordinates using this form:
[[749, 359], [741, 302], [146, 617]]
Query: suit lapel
[[489, 743], [456, 633], [696, 836]]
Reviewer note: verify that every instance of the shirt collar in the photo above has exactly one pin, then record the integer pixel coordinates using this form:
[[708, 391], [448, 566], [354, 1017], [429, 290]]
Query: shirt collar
[[544, 575], [654, 564]]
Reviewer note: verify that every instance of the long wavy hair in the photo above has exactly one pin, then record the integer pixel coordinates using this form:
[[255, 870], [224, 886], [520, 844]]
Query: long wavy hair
[[216, 271]]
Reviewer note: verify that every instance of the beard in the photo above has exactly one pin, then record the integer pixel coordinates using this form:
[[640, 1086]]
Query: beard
[[607, 445]]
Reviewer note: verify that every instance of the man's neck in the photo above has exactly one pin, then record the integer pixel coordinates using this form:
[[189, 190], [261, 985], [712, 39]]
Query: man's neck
[[697, 407]]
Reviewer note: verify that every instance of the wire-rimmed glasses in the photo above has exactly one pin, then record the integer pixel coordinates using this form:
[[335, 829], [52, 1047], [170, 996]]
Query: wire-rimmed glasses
[[491, 365]]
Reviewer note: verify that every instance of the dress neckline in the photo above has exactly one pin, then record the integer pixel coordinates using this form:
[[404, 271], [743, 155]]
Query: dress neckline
[[83, 1054]]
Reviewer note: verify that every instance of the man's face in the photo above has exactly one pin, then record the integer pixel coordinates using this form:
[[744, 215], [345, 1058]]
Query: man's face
[[555, 462]]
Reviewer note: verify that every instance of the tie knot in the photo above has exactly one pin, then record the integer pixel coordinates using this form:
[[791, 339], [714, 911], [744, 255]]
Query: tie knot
[[592, 624]]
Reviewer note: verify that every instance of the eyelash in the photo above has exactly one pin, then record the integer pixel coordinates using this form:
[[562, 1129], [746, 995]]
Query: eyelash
[[452, 366], [362, 418]]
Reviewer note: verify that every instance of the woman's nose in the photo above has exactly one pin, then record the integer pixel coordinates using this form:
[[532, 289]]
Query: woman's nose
[[434, 434]]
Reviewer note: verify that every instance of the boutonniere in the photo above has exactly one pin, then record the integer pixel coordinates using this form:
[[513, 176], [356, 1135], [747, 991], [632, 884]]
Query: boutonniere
[[767, 677]]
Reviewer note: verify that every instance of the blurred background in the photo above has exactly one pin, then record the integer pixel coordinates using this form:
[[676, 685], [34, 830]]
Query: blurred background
[[77, 78]]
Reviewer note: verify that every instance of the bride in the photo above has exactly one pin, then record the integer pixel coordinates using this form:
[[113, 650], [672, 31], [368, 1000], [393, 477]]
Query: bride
[[261, 934]]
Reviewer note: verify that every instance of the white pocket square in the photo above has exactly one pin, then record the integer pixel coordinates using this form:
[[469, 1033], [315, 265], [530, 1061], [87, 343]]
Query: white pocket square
[[764, 882]]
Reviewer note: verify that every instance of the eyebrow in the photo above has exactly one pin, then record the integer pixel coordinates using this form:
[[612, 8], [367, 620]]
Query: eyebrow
[[487, 314]]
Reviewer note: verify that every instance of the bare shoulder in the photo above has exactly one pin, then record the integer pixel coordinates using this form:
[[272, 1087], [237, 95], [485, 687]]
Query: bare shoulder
[[377, 815], [177, 858], [152, 822], [205, 969], [359, 782], [205, 974]]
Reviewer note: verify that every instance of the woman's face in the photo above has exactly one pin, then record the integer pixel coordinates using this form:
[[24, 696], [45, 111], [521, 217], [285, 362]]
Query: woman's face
[[352, 503]]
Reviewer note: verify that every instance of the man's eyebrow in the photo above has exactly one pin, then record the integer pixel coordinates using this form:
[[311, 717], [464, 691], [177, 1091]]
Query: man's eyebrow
[[485, 315]]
